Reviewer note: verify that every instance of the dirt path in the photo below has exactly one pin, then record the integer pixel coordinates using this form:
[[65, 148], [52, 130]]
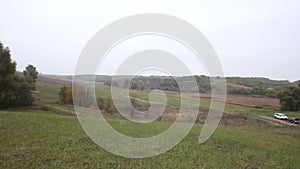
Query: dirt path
[[277, 121]]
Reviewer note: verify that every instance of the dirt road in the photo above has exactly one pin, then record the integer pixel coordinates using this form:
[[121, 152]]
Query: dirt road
[[284, 122]]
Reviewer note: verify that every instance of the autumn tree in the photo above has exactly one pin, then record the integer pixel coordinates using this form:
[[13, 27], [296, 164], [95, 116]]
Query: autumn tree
[[271, 92], [108, 107], [65, 95]]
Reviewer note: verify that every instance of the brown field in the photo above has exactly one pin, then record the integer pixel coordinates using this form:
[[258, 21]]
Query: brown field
[[249, 101], [53, 80], [266, 103]]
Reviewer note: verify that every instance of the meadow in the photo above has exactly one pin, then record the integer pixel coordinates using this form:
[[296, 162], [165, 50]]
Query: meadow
[[45, 139]]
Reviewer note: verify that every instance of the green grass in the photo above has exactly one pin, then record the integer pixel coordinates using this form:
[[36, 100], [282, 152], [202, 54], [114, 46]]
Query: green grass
[[42, 139], [256, 111], [48, 92]]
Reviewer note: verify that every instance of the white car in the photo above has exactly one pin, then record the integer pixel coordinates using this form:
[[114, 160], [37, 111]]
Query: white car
[[280, 116]]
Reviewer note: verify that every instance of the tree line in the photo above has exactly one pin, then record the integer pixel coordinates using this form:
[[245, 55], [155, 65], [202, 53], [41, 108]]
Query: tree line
[[248, 86]]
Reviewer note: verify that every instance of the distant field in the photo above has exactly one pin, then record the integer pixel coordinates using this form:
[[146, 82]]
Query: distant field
[[247, 105], [42, 139], [54, 80], [248, 101]]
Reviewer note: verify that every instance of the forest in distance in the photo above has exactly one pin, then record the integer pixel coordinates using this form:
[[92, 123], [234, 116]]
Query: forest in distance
[[248, 86]]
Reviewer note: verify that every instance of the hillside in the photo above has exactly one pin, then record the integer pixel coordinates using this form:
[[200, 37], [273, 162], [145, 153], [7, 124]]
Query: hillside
[[249, 92], [235, 103], [254, 86], [51, 139]]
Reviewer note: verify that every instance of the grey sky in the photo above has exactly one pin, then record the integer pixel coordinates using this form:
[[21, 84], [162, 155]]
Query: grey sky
[[251, 37]]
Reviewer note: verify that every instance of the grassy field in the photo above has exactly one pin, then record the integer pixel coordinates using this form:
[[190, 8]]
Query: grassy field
[[49, 96], [42, 139]]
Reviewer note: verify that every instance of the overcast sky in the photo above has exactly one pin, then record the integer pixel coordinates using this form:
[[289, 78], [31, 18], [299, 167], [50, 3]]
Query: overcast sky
[[251, 37]]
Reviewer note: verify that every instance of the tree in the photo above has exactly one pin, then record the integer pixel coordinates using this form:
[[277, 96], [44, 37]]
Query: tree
[[258, 90], [290, 99], [14, 90], [65, 95], [271, 92], [100, 102], [62, 94], [7, 69], [133, 105], [22, 95], [141, 85], [108, 107], [133, 84], [30, 75]]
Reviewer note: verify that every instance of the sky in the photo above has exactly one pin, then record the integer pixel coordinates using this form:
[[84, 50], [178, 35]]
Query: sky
[[257, 38]]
